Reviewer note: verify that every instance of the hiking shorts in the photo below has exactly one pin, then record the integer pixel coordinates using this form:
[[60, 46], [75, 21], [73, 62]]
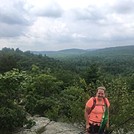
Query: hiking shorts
[[94, 129]]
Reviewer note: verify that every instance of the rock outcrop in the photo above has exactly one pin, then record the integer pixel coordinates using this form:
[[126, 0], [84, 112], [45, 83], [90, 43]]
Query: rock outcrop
[[45, 126]]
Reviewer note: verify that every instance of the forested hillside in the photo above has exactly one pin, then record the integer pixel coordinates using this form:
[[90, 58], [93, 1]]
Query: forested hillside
[[114, 60], [58, 89]]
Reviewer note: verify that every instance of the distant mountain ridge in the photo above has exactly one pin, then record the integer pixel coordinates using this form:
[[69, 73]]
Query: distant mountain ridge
[[61, 53], [120, 50]]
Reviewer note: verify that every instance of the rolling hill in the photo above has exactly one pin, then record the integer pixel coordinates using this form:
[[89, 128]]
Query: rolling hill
[[68, 53]]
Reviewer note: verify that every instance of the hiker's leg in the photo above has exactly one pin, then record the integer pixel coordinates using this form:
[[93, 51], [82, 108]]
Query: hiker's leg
[[96, 129], [87, 131], [92, 129]]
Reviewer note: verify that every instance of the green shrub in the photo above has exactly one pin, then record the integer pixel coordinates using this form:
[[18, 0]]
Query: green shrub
[[11, 118]]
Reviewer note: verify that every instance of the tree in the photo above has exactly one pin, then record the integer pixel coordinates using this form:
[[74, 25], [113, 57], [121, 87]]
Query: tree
[[72, 103], [121, 103], [11, 114], [46, 85], [92, 74]]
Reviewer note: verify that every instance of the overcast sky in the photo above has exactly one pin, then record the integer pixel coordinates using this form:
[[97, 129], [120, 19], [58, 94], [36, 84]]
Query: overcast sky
[[62, 24]]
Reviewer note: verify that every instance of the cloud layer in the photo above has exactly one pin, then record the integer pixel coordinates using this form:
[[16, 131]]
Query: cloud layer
[[61, 24]]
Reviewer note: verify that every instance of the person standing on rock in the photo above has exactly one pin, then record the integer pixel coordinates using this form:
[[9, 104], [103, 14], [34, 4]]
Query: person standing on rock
[[95, 109]]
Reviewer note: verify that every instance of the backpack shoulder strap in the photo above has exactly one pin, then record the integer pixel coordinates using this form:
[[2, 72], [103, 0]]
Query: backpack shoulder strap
[[105, 101], [94, 103]]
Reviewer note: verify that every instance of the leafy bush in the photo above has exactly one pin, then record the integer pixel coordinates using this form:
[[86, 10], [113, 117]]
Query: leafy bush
[[11, 118], [72, 103]]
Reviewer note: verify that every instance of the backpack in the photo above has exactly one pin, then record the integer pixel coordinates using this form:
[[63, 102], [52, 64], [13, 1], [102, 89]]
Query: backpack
[[94, 103]]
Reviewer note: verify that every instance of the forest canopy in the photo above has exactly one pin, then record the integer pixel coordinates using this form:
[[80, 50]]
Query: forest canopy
[[59, 88]]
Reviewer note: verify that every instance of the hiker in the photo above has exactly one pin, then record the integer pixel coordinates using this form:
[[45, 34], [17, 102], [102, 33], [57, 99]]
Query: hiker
[[94, 111]]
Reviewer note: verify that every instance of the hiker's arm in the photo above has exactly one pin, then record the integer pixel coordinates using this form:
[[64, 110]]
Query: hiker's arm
[[87, 111]]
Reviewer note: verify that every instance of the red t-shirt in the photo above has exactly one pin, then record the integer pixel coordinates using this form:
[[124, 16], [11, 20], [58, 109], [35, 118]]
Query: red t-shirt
[[97, 113]]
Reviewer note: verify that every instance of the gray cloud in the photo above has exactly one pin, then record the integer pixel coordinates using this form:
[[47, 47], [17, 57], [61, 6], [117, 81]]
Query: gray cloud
[[90, 13], [14, 19], [10, 31], [52, 10], [14, 14], [124, 7]]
